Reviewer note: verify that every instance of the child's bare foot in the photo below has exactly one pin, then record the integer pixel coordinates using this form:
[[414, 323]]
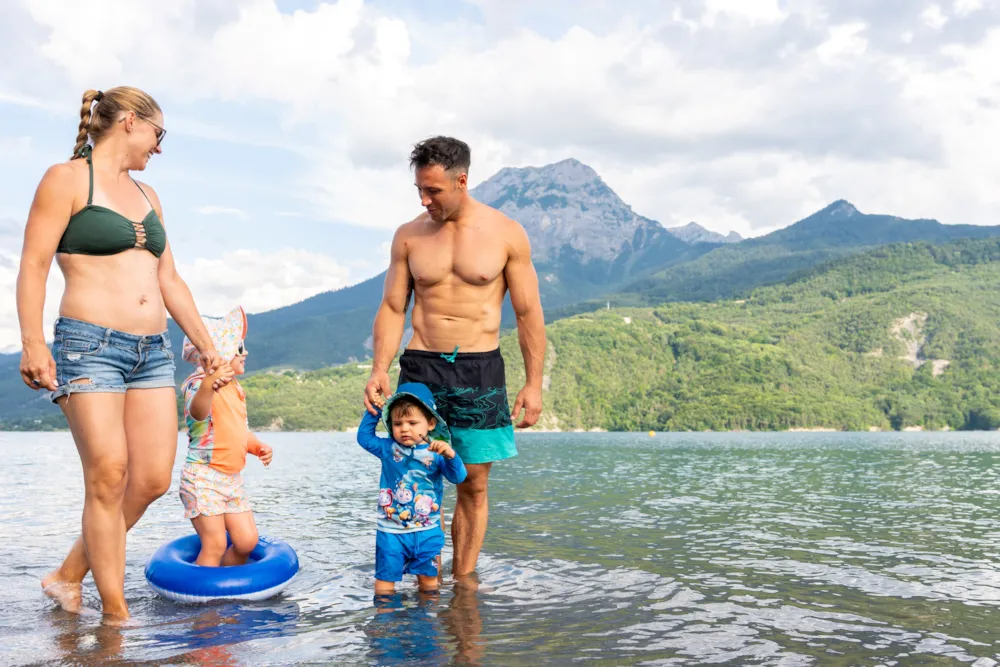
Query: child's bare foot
[[428, 584], [385, 587], [67, 594]]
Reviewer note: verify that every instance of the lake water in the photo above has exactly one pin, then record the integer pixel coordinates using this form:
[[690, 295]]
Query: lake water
[[680, 549]]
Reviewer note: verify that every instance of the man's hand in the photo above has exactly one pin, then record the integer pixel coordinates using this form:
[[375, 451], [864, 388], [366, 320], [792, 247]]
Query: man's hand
[[442, 448], [265, 454], [375, 391], [529, 398]]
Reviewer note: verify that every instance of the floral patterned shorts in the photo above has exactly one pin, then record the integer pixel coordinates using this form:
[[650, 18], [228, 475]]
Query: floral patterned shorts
[[205, 490]]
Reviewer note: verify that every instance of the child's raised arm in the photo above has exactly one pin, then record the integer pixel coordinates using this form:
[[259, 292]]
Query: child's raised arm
[[200, 404], [372, 443]]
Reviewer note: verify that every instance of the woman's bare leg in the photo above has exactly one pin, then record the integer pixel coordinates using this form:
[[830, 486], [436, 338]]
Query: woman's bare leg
[[151, 436], [97, 423]]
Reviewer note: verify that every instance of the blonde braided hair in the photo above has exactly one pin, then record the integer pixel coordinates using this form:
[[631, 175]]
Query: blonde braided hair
[[95, 120]]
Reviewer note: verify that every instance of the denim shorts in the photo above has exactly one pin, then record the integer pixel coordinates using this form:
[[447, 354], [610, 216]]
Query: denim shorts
[[112, 361]]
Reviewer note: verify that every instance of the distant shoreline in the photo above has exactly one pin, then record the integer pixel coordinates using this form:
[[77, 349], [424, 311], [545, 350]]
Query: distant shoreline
[[908, 429]]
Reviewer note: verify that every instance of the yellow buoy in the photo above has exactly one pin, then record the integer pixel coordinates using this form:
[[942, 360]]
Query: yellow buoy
[[652, 433]]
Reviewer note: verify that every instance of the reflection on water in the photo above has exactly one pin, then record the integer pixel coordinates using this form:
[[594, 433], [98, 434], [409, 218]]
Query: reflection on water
[[683, 549]]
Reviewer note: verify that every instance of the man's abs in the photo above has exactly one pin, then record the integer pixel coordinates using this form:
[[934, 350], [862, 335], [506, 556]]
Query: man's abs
[[466, 316]]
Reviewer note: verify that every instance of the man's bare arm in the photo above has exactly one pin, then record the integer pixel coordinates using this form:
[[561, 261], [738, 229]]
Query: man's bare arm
[[390, 320], [522, 283], [387, 331]]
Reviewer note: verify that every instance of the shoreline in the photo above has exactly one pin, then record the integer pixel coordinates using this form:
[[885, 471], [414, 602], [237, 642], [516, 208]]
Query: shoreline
[[873, 429]]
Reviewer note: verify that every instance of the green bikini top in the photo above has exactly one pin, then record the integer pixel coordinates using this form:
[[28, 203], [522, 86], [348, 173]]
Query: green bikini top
[[97, 230]]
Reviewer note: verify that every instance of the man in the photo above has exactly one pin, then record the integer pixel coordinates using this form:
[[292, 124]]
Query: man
[[458, 260]]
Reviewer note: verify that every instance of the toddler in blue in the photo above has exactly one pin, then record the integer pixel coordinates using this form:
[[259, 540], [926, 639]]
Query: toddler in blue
[[414, 458]]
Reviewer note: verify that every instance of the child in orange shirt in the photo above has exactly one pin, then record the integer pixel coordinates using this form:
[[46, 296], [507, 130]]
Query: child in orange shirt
[[219, 439]]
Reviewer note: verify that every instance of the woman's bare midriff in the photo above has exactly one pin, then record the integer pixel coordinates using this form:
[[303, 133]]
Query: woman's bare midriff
[[119, 291]]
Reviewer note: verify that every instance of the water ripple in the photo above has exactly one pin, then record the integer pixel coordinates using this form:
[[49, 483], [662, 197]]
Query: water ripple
[[684, 549]]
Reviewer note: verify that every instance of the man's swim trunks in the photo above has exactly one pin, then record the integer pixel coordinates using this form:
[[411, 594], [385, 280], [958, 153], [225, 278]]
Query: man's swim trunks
[[471, 395]]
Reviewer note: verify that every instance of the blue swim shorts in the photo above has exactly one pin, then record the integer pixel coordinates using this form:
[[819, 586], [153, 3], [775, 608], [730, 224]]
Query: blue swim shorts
[[110, 361], [397, 554]]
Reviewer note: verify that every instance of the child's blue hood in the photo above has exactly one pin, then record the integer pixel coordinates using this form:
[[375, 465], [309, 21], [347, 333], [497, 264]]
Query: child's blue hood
[[422, 393]]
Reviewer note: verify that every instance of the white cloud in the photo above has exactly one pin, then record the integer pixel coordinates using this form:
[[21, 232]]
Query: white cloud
[[844, 41], [261, 281], [21, 100], [754, 11], [258, 280], [801, 102], [222, 210], [11, 235], [964, 7], [934, 17]]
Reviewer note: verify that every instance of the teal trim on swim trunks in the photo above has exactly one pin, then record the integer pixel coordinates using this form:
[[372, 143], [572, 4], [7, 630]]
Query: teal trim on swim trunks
[[476, 445]]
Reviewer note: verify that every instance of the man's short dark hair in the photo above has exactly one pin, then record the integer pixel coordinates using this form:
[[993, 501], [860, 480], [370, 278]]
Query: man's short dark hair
[[448, 152]]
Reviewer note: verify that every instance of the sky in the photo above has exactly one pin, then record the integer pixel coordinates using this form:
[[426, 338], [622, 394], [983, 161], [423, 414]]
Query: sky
[[285, 170]]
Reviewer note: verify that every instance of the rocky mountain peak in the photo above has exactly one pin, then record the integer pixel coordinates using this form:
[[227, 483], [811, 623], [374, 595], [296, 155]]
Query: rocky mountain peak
[[564, 204], [841, 209], [695, 233]]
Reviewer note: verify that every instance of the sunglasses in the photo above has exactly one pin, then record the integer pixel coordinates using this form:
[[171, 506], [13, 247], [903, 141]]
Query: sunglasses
[[241, 350], [160, 132]]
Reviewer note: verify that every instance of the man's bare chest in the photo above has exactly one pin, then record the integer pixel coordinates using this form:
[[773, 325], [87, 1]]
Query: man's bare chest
[[473, 259]]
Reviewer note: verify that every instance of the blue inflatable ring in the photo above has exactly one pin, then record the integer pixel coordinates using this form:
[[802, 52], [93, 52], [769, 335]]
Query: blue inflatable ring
[[171, 572]]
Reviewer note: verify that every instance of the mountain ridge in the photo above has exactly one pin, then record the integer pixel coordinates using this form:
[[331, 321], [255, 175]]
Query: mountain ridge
[[652, 266], [692, 232], [898, 338]]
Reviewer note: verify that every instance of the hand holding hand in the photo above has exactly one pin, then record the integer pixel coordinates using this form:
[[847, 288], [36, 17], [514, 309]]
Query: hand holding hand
[[210, 359], [375, 391], [221, 376]]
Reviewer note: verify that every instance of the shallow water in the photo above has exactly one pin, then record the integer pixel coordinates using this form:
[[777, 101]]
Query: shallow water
[[681, 549]]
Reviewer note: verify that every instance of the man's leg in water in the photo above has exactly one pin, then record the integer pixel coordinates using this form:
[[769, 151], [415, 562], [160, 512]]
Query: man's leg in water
[[468, 526]]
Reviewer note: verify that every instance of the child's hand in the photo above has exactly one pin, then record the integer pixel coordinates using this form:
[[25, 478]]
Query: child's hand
[[379, 401], [222, 376], [265, 453], [442, 448]]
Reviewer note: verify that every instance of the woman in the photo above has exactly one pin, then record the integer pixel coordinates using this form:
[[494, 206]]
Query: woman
[[111, 368]]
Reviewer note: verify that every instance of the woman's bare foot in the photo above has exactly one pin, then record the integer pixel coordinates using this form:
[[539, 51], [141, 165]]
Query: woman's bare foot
[[67, 594]]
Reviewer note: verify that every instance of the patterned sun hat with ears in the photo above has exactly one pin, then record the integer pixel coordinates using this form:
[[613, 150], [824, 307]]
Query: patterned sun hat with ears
[[227, 332]]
